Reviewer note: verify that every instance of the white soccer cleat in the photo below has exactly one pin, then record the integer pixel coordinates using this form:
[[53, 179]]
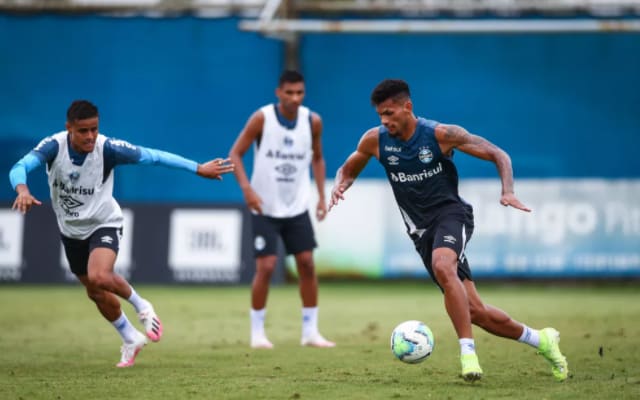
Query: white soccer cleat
[[316, 341], [261, 342], [130, 351], [152, 324]]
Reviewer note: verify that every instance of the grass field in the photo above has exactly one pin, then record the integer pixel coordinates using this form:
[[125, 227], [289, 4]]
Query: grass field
[[54, 345]]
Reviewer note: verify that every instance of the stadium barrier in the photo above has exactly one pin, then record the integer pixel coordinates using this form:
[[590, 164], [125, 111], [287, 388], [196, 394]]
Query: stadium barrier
[[161, 244], [579, 228]]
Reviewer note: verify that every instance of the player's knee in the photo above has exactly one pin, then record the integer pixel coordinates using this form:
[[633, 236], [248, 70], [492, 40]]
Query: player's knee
[[265, 270], [445, 271], [100, 279]]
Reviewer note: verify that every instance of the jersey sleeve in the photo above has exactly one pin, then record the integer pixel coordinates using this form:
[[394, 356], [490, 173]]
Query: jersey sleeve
[[19, 171], [118, 152], [46, 150], [159, 157]]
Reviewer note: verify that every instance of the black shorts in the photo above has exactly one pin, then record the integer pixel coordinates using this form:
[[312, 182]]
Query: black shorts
[[77, 251], [296, 233], [450, 231]]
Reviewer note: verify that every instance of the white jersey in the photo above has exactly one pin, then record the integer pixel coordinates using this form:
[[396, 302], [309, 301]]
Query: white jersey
[[281, 164], [81, 197]]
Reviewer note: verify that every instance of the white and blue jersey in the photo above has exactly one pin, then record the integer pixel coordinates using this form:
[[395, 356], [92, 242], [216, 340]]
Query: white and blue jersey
[[424, 181], [81, 184], [281, 163]]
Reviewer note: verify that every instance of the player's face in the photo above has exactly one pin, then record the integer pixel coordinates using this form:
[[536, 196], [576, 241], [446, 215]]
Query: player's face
[[395, 115], [83, 134], [290, 96]]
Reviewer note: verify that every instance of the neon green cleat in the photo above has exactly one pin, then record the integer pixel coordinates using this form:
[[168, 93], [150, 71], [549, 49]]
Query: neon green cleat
[[471, 370], [550, 349]]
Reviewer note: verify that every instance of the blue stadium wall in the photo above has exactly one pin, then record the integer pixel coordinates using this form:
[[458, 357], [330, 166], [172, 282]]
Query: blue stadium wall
[[561, 105], [565, 106]]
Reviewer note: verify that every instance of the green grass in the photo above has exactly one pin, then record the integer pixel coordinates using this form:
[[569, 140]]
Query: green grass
[[54, 345]]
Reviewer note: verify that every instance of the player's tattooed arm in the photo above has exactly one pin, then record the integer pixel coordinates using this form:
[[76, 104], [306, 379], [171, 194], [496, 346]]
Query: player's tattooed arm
[[456, 137]]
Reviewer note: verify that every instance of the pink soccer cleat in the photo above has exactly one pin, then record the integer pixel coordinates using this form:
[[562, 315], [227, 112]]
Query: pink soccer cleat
[[152, 324], [130, 351]]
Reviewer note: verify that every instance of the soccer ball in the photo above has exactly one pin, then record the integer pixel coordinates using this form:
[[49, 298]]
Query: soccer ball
[[412, 342]]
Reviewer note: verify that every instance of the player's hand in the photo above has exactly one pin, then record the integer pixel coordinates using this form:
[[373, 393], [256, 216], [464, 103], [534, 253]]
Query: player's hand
[[24, 201], [337, 194], [321, 210], [510, 199], [214, 169], [254, 202]]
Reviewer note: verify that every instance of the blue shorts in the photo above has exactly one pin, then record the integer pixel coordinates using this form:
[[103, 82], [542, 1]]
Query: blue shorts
[[77, 251], [296, 233], [450, 231]]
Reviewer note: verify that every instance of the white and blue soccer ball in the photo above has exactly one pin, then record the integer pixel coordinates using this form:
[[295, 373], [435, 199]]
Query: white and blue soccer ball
[[412, 342]]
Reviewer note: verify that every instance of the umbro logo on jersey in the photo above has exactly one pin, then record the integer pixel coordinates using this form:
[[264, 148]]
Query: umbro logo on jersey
[[286, 169], [449, 239], [393, 160], [69, 203], [106, 239]]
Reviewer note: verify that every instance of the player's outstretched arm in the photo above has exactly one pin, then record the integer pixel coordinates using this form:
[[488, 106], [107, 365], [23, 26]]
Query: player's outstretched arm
[[354, 164], [214, 169], [454, 136]]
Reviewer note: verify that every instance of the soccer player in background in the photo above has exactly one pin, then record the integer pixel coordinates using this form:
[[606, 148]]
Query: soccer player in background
[[417, 155], [80, 163], [287, 138]]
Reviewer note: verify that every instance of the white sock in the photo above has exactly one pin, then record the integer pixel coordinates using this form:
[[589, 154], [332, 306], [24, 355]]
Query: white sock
[[127, 332], [309, 321], [530, 336], [257, 322], [138, 302], [467, 346]]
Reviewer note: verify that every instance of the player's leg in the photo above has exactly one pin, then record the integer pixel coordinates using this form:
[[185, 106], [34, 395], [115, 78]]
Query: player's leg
[[265, 267], [499, 323], [103, 250], [445, 269], [449, 271], [265, 240], [299, 239], [307, 280], [77, 253], [489, 318], [109, 306]]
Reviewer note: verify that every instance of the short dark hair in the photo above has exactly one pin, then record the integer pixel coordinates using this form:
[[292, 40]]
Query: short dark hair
[[395, 89], [290, 76], [81, 109]]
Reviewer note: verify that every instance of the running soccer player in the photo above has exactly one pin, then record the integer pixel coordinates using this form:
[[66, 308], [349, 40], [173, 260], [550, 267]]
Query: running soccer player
[[417, 155], [80, 163]]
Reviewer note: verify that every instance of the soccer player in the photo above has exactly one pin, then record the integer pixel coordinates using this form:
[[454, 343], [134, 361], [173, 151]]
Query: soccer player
[[417, 155], [80, 163], [287, 138]]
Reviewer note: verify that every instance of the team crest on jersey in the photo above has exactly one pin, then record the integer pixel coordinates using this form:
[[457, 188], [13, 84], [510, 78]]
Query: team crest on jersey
[[288, 141], [74, 176], [393, 160], [425, 155]]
